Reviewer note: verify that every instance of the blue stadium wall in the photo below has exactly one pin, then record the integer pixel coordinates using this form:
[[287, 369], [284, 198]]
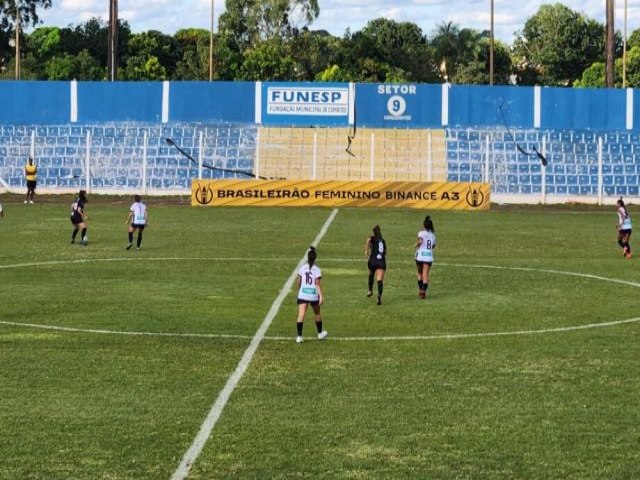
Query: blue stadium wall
[[585, 132]]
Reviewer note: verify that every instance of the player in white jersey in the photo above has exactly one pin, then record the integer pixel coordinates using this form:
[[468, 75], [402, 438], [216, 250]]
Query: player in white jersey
[[424, 245], [309, 293], [137, 220], [624, 229]]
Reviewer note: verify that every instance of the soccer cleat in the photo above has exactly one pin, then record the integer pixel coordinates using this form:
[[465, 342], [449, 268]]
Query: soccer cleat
[[422, 294], [628, 255], [137, 248], [31, 202], [299, 339], [369, 293], [379, 302], [625, 251], [129, 246], [25, 202], [323, 335]]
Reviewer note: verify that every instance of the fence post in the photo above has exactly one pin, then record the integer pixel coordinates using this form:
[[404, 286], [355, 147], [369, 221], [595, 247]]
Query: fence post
[[32, 152], [429, 157], [200, 154], [257, 160], [372, 161], [314, 160], [600, 179], [145, 143], [543, 170], [486, 160], [87, 158]]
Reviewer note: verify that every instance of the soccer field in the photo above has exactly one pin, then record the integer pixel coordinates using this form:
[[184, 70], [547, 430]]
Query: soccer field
[[523, 361]]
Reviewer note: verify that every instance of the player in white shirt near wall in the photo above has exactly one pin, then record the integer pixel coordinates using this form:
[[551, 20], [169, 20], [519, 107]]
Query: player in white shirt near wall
[[424, 245], [309, 293], [624, 229], [137, 220]]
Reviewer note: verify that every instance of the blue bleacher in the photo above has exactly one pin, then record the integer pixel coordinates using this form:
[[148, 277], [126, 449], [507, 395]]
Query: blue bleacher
[[573, 161]]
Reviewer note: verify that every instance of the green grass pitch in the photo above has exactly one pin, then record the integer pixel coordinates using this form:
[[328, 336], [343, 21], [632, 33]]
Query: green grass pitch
[[523, 362]]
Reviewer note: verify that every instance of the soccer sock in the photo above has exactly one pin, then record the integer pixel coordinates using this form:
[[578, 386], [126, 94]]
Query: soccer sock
[[371, 275], [84, 232], [621, 243], [426, 285], [299, 327], [74, 234], [139, 238], [420, 286], [379, 288], [130, 237], [626, 244], [319, 326]]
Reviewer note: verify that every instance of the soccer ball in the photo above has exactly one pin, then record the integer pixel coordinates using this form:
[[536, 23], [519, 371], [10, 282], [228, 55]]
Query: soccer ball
[[85, 240]]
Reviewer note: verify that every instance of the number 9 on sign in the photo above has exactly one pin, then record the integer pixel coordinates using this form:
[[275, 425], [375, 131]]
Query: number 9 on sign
[[396, 105]]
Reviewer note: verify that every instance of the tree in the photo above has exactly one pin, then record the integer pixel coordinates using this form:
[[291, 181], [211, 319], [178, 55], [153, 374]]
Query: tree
[[150, 55], [22, 12], [559, 44], [194, 64], [268, 61], [313, 52], [252, 21]]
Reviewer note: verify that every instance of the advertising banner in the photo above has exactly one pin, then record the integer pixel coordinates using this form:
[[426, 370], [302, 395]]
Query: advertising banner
[[325, 104], [310, 193], [399, 105]]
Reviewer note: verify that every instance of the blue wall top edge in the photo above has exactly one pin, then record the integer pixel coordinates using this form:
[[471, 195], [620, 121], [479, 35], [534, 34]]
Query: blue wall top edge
[[318, 104]]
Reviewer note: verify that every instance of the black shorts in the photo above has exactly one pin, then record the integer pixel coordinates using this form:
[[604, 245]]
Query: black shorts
[[300, 301], [625, 232], [31, 184], [419, 264], [76, 219], [139, 226], [377, 264]]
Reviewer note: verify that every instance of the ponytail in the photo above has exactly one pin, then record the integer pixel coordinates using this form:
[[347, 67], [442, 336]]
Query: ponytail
[[428, 224], [311, 256]]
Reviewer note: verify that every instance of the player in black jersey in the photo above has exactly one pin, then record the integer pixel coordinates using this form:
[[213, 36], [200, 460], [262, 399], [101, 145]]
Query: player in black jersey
[[375, 249], [79, 218]]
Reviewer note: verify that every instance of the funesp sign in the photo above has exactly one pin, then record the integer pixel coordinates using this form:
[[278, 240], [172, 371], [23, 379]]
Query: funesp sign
[[308, 101]]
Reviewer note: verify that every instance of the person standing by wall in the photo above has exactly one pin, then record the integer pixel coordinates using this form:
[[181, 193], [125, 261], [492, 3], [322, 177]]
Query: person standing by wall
[[375, 249], [137, 220], [624, 229], [309, 293], [424, 245], [30, 174]]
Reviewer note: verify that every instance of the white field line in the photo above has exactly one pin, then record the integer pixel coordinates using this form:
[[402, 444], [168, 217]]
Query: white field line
[[216, 410], [442, 336]]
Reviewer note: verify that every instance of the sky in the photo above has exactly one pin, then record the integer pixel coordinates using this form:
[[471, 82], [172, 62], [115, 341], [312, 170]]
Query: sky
[[336, 16]]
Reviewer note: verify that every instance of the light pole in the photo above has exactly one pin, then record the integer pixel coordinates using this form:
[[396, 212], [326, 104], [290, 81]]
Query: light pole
[[609, 48], [112, 47], [624, 49], [211, 43], [491, 48], [15, 42]]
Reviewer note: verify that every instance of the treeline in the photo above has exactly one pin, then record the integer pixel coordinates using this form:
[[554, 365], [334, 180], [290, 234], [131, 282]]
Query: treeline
[[556, 46]]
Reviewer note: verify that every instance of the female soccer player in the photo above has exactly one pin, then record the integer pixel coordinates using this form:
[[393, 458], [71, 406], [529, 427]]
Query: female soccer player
[[309, 293], [424, 245], [624, 229], [137, 220], [79, 218], [375, 249]]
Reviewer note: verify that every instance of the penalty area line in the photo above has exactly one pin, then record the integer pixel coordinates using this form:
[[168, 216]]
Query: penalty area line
[[212, 418]]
